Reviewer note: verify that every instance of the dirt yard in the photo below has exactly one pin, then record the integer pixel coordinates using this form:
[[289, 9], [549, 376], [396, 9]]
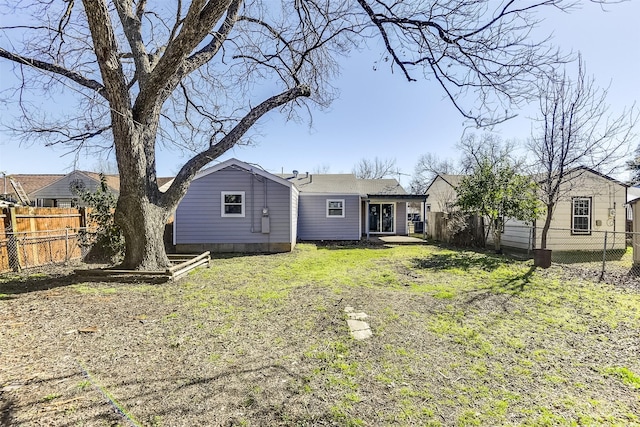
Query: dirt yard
[[459, 338]]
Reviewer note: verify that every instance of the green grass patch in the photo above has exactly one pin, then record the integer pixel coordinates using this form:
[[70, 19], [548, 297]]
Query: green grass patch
[[625, 375], [459, 338]]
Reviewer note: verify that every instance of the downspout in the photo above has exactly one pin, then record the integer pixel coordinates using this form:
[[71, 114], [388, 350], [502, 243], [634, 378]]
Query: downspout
[[252, 205], [424, 218], [366, 216]]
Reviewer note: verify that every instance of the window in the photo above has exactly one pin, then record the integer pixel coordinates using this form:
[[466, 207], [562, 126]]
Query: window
[[335, 208], [232, 203], [581, 215]]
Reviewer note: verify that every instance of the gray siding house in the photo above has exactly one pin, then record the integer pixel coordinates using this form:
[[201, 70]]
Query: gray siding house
[[237, 207]]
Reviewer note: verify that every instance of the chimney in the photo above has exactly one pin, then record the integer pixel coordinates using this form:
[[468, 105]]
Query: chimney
[[295, 173]]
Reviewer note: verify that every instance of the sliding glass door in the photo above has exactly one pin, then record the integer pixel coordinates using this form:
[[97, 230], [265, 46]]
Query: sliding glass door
[[382, 217]]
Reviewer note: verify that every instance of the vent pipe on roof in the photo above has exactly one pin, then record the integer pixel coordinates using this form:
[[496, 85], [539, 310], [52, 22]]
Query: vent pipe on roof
[[307, 175], [295, 173]]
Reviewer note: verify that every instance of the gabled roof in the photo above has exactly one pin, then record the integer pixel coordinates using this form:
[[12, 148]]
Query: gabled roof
[[345, 183], [92, 176], [235, 163], [600, 174], [33, 183], [453, 180], [324, 183], [379, 187], [30, 183]]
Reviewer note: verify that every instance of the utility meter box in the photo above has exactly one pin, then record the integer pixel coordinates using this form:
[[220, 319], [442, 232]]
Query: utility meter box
[[265, 221]]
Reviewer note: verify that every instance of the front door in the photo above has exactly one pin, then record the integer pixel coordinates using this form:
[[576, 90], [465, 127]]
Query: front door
[[382, 217]]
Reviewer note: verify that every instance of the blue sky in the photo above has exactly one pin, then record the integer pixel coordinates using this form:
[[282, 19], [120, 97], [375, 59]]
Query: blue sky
[[380, 114]]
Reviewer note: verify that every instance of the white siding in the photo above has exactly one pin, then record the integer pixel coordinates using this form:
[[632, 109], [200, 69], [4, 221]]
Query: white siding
[[441, 195], [605, 195]]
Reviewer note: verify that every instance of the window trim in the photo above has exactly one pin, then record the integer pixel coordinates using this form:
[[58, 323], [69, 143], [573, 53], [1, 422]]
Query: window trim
[[589, 216], [223, 204], [329, 201]]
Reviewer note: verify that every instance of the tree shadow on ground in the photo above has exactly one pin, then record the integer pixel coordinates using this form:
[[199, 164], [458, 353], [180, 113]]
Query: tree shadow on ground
[[461, 260], [351, 244], [22, 283], [508, 289], [25, 283]]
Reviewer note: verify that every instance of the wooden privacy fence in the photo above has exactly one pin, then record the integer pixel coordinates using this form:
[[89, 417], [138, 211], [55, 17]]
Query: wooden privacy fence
[[31, 237], [459, 230]]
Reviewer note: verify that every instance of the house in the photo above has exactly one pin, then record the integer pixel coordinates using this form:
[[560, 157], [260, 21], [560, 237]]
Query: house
[[60, 190], [442, 192], [590, 202], [238, 207]]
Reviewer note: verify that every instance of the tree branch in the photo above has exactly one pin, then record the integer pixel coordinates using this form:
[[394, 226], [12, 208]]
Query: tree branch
[[188, 171], [56, 69]]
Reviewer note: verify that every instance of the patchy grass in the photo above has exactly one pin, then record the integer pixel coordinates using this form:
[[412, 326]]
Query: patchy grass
[[459, 338]]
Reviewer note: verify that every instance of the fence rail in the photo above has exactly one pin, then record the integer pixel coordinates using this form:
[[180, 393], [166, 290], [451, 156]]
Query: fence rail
[[32, 237], [603, 252], [23, 250]]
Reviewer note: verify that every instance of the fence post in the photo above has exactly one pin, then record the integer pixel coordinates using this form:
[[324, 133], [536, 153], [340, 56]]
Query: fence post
[[66, 244], [13, 245], [604, 255]]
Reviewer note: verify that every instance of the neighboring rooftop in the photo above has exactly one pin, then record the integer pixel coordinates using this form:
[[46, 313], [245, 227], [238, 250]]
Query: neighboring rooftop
[[32, 183]]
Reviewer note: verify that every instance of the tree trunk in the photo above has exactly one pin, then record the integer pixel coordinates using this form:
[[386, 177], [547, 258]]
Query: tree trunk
[[139, 213], [142, 224], [497, 236], [547, 225]]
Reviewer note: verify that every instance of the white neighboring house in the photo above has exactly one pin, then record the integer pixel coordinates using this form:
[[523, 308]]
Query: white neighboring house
[[442, 193], [589, 203]]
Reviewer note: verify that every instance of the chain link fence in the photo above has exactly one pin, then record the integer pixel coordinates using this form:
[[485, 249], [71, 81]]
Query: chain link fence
[[607, 254], [23, 250]]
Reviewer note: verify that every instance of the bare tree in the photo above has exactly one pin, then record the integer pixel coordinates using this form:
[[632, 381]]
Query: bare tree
[[476, 150], [106, 166], [576, 129], [200, 74], [323, 168], [493, 185], [375, 169], [427, 168]]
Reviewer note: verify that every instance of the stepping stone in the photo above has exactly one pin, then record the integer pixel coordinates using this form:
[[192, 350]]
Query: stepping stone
[[359, 329]]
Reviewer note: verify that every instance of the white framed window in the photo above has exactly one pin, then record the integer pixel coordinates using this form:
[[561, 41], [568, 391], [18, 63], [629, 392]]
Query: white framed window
[[232, 203], [581, 215], [335, 208]]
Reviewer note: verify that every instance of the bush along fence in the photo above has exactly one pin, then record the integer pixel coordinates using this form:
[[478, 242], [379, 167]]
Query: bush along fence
[[32, 237]]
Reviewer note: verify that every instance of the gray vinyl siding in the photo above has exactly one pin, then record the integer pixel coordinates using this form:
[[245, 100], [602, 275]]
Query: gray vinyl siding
[[295, 197], [401, 218], [313, 223], [60, 191], [199, 220]]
